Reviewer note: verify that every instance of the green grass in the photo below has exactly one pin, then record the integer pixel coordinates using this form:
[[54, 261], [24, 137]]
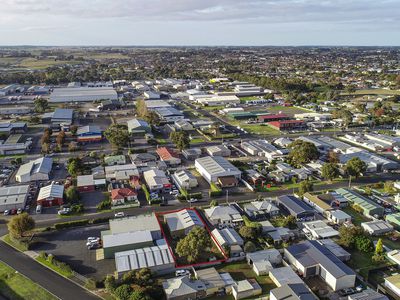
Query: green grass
[[56, 269], [33, 63], [20, 246], [357, 217], [362, 263], [373, 92], [241, 271], [197, 140], [263, 129], [17, 287]]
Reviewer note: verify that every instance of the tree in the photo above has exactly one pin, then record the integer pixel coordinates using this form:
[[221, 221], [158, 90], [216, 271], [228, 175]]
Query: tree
[[40, 105], [305, 186], [333, 157], [75, 166], [302, 152], [379, 247], [60, 138], [193, 244], [117, 135], [348, 234], [290, 222], [388, 187], [180, 139], [139, 295], [73, 129], [213, 203], [110, 283], [364, 244], [20, 224], [248, 232], [72, 146], [355, 167], [330, 171], [123, 292], [249, 247], [71, 194]]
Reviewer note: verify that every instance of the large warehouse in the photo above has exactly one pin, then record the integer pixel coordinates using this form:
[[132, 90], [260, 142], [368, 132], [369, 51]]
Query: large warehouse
[[34, 170], [218, 170], [13, 197], [82, 94]]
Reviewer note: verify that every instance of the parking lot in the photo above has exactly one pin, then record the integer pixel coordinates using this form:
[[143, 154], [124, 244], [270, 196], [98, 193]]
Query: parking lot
[[69, 246]]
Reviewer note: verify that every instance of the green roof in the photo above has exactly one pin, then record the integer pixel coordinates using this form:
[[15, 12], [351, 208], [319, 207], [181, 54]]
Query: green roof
[[394, 219], [370, 207]]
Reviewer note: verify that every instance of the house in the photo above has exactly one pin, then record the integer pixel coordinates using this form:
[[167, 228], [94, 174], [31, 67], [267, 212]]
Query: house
[[89, 134], [184, 288], [292, 291], [157, 180], [369, 207], [319, 229], [185, 179], [121, 172], [218, 150], [263, 148], [296, 207], [212, 280], [13, 197], [183, 125], [88, 183], [35, 170], [112, 160], [394, 256], [246, 288], [337, 250], [367, 294], [263, 261], [394, 219], [285, 125], [224, 215], [156, 258], [338, 217], [261, 209], [228, 238], [168, 156], [284, 275], [217, 170], [169, 114], [317, 202], [51, 195], [120, 196], [392, 283], [141, 159], [180, 223], [138, 127], [125, 241], [377, 227], [191, 153], [310, 258]]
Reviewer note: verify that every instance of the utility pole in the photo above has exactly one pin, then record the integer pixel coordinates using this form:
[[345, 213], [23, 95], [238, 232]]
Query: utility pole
[[349, 181], [227, 201]]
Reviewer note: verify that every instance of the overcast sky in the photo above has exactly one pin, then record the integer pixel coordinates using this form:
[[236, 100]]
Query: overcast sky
[[200, 22]]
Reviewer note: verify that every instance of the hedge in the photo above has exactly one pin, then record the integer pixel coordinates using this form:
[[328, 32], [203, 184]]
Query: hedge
[[146, 193], [70, 224], [99, 220]]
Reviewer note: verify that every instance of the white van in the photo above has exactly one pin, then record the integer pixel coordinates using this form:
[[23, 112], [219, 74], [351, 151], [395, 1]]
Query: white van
[[39, 209]]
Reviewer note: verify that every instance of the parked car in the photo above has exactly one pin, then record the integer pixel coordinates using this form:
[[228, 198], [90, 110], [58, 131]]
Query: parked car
[[179, 273], [6, 212], [93, 239], [39, 209], [19, 211], [174, 192], [13, 211], [119, 214], [192, 200], [64, 211]]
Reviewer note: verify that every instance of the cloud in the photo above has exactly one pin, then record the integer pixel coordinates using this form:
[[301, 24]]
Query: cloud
[[254, 11]]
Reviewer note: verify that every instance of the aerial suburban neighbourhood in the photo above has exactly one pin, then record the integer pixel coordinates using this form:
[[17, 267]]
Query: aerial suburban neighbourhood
[[197, 172]]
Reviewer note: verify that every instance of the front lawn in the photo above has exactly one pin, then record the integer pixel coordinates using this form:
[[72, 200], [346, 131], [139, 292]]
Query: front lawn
[[357, 218], [18, 287]]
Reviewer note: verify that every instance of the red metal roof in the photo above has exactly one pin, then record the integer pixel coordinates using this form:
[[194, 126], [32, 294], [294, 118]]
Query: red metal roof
[[166, 153], [122, 193]]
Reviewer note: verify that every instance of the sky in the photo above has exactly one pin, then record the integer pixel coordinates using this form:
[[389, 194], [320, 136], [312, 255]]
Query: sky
[[200, 22]]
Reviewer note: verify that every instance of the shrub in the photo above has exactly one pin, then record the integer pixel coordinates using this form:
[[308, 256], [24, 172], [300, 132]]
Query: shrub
[[249, 247], [100, 220], [70, 224], [104, 205], [146, 193], [123, 292]]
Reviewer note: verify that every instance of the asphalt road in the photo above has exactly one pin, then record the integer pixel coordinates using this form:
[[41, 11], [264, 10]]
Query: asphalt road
[[54, 283]]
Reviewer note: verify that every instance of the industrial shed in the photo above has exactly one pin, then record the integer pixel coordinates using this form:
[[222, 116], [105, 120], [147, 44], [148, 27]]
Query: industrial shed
[[13, 197], [83, 94]]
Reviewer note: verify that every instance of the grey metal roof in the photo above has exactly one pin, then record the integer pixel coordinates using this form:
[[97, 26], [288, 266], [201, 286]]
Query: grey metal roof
[[216, 165], [296, 291], [63, 113], [294, 205]]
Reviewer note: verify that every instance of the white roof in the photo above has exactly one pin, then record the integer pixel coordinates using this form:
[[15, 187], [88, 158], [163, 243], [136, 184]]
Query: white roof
[[284, 275], [227, 236], [134, 223], [377, 225], [126, 238], [223, 213], [320, 229], [40, 165], [216, 165], [183, 219], [13, 194], [52, 190]]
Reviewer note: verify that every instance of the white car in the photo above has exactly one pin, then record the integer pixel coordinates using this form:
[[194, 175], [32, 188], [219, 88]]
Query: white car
[[179, 273], [174, 192], [119, 214], [192, 200], [93, 239]]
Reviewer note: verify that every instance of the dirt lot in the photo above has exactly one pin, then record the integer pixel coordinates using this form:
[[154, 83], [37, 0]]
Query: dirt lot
[[70, 246]]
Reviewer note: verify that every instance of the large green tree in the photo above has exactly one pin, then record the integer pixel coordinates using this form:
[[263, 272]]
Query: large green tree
[[355, 167], [302, 152], [194, 244], [20, 224], [72, 194], [117, 135], [180, 139], [305, 186], [40, 105], [330, 171], [75, 166]]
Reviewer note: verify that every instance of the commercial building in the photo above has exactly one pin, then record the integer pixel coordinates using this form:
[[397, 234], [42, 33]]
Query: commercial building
[[35, 170], [319, 229], [393, 284], [367, 294], [89, 134], [272, 118], [310, 258], [337, 250], [59, 116], [292, 291], [13, 197], [180, 223], [155, 104], [218, 150], [338, 217], [264, 261], [318, 202], [215, 100], [369, 207], [394, 219], [119, 242], [157, 180], [83, 94], [185, 179], [377, 227], [326, 143], [375, 163], [168, 156], [224, 215], [10, 128], [121, 172], [217, 170], [169, 114], [136, 223], [264, 149], [138, 127], [285, 125], [51, 195], [88, 183], [157, 258], [248, 89], [296, 207]]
